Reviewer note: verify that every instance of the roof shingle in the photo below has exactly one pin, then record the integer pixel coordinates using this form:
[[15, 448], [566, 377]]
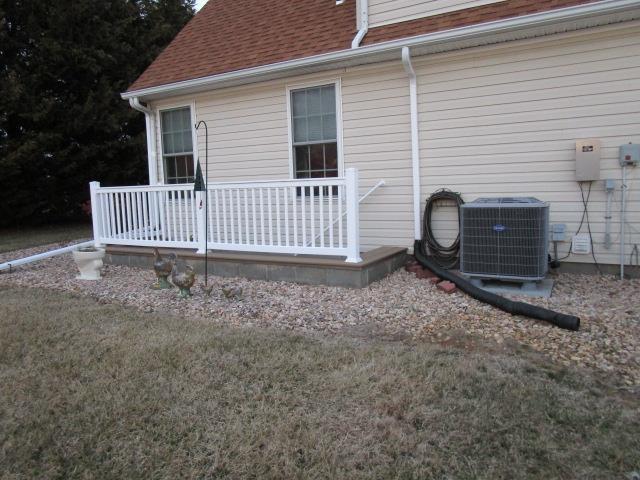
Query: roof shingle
[[226, 36]]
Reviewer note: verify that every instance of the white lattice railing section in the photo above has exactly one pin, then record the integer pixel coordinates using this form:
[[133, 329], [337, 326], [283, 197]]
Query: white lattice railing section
[[317, 216]]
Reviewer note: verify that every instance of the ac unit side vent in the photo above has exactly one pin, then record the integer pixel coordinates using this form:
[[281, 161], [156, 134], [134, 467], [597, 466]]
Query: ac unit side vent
[[505, 238]]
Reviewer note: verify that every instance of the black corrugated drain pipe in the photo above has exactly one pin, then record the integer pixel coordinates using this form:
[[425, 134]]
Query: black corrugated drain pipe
[[568, 322]]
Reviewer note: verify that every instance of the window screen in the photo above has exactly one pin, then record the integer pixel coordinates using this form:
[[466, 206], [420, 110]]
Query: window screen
[[315, 147], [177, 145]]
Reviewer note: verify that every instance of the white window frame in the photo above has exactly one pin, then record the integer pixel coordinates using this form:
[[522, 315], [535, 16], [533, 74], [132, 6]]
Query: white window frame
[[158, 114], [337, 83]]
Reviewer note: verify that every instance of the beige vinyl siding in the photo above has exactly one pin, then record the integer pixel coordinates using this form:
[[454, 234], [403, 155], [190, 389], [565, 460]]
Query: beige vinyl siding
[[384, 12], [377, 141], [503, 121]]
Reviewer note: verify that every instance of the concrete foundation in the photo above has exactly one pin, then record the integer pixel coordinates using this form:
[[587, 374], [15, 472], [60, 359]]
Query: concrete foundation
[[308, 269]]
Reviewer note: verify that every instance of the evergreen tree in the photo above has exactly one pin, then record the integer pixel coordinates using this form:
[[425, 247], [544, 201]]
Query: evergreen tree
[[63, 65]]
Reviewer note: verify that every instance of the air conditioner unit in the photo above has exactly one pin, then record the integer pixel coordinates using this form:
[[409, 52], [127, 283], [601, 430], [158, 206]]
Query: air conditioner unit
[[505, 238]]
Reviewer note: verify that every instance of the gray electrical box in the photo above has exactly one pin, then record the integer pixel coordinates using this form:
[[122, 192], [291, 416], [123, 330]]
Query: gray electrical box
[[629, 154], [588, 159], [557, 232]]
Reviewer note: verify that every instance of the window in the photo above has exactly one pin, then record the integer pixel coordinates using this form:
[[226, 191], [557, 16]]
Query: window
[[313, 120], [177, 145]]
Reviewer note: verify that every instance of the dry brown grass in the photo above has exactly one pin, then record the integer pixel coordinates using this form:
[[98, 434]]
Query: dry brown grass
[[99, 391], [19, 238]]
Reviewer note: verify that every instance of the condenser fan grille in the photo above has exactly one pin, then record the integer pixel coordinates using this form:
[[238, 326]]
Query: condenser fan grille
[[505, 238]]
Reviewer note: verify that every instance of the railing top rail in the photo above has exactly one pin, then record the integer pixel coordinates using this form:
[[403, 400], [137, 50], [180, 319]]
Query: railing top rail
[[312, 182], [148, 188]]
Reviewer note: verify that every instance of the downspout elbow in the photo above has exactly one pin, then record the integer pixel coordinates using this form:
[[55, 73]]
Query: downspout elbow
[[363, 22], [359, 36], [136, 105]]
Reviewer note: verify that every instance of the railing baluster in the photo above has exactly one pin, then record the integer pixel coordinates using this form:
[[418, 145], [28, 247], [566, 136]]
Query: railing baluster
[[321, 226], [193, 212], [340, 239], [270, 216], [136, 215], [246, 219], [233, 223], [303, 209], [285, 196], [253, 216], [262, 242], [102, 200], [218, 239], [174, 223], [224, 214], [312, 210], [210, 219], [129, 217], [181, 202], [145, 216], [239, 210], [294, 204], [278, 226], [117, 210], [330, 202]]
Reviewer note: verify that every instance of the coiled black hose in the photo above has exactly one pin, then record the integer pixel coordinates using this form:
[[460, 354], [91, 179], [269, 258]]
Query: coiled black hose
[[561, 320], [446, 257]]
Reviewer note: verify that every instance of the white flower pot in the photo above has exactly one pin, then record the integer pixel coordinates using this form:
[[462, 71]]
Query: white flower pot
[[89, 262]]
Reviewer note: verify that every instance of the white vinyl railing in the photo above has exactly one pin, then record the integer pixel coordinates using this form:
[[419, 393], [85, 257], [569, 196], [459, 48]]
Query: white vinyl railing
[[317, 216]]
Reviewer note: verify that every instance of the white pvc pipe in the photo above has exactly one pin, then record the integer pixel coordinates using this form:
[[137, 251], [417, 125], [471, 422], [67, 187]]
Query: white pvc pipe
[[42, 256], [415, 140], [623, 214]]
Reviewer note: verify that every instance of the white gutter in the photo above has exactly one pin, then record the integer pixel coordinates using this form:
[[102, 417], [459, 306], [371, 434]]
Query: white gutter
[[151, 138], [362, 22], [611, 8], [415, 140]]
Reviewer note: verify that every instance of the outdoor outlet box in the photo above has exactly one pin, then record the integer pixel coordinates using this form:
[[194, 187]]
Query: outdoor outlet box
[[557, 232], [581, 244], [609, 185], [588, 160], [629, 154]]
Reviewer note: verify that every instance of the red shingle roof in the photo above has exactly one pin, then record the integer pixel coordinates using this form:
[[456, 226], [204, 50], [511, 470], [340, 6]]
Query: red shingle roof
[[230, 35]]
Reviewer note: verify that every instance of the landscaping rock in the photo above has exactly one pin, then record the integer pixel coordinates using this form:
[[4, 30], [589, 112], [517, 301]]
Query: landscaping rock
[[399, 306]]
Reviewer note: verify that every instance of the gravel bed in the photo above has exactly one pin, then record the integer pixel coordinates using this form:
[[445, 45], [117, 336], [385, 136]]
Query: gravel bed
[[400, 306]]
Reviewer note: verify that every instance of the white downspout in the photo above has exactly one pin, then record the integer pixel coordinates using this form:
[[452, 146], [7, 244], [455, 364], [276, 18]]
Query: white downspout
[[415, 140], [362, 22], [151, 138]]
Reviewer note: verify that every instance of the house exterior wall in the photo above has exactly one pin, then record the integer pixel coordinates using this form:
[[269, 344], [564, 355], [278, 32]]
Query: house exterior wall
[[503, 121], [494, 121], [248, 140], [384, 12]]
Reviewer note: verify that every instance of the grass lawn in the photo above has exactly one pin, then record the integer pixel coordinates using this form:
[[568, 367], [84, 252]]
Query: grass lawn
[[100, 391], [19, 238]]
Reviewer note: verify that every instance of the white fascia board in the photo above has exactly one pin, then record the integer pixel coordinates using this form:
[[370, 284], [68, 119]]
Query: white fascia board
[[564, 19]]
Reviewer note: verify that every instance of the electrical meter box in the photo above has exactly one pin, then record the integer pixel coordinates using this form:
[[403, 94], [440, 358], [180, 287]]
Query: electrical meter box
[[588, 159], [629, 154]]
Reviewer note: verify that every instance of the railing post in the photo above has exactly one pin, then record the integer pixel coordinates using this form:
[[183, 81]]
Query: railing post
[[200, 221], [95, 213], [353, 216]]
